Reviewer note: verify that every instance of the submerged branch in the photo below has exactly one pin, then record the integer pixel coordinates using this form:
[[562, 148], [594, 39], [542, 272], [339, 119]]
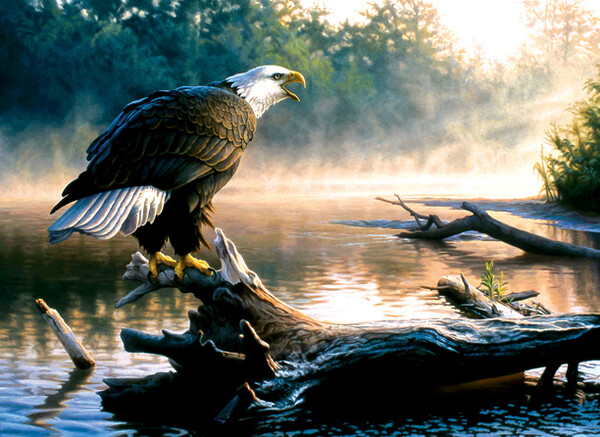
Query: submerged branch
[[473, 300], [431, 219], [481, 221]]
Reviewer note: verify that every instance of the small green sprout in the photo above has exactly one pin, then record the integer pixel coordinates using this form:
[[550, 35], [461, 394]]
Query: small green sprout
[[494, 287]]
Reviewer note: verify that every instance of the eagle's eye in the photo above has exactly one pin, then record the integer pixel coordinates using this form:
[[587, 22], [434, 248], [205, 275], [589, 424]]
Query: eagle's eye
[[277, 76]]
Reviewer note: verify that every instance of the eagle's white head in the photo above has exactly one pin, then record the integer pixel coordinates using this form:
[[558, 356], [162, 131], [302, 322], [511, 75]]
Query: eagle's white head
[[264, 86]]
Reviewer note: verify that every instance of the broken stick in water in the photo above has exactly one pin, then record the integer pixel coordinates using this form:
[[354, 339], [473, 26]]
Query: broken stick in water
[[78, 354]]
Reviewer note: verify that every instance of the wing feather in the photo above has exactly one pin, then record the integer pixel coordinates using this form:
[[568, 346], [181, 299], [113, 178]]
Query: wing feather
[[103, 211], [229, 160], [222, 154], [111, 208], [214, 146], [103, 215]]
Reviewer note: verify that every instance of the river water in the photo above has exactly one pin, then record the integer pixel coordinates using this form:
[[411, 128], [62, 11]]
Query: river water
[[335, 258]]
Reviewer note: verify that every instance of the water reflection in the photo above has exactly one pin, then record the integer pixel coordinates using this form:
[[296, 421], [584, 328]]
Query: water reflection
[[55, 402], [305, 252]]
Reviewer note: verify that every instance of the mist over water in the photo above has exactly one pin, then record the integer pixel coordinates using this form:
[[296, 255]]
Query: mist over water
[[485, 148], [471, 153], [475, 156]]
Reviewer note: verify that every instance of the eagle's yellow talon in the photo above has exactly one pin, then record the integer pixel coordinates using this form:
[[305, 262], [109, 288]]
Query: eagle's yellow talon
[[190, 261], [155, 260]]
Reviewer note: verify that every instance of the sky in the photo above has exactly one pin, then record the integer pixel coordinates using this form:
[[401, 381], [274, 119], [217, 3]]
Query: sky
[[496, 26]]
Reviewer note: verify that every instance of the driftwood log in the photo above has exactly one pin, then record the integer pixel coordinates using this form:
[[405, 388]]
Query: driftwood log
[[476, 302], [76, 351], [436, 229], [248, 353]]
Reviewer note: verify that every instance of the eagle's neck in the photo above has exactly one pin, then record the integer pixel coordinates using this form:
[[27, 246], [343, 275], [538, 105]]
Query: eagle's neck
[[259, 104], [258, 99]]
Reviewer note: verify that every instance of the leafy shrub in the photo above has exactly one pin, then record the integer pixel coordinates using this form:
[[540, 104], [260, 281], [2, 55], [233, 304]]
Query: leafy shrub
[[571, 172]]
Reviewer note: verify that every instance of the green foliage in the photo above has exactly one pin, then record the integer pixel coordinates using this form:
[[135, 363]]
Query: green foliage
[[548, 190], [493, 286], [117, 51], [571, 172]]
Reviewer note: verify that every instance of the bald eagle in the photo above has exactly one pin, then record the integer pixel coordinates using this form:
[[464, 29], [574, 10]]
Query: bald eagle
[[154, 171]]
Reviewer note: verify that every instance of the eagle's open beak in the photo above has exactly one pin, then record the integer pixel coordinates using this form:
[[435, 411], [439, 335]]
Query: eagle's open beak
[[293, 77]]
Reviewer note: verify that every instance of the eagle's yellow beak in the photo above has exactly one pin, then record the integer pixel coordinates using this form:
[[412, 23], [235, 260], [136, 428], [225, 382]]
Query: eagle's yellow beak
[[294, 76]]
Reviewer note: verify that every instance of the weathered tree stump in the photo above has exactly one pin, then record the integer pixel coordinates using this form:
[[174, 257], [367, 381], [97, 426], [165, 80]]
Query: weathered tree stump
[[241, 334]]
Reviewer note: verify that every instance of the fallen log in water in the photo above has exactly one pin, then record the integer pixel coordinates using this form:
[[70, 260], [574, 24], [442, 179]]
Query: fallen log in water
[[476, 302], [481, 221], [473, 300], [243, 334]]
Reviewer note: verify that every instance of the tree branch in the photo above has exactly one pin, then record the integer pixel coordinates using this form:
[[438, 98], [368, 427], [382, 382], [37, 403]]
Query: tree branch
[[482, 222]]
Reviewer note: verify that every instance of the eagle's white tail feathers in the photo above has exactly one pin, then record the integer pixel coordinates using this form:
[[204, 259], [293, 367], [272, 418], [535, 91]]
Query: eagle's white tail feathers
[[148, 205], [105, 214]]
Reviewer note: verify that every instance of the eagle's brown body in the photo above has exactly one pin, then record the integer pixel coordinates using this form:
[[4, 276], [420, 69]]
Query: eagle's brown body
[[186, 141]]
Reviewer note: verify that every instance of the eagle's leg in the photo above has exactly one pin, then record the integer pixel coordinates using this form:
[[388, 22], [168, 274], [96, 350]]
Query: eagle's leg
[[156, 259], [189, 261]]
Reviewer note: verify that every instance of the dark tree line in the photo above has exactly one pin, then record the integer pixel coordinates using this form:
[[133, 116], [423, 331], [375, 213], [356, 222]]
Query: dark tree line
[[396, 70]]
